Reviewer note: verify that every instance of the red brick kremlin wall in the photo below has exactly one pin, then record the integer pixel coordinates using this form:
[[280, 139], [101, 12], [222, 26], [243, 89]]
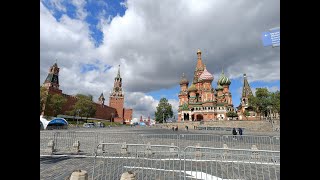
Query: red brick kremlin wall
[[103, 112], [127, 115]]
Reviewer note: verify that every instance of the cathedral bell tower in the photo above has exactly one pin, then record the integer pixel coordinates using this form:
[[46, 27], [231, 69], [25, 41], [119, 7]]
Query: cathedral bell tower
[[116, 99]]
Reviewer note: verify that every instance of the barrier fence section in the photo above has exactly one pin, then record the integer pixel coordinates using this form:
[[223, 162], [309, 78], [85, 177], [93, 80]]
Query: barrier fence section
[[159, 139], [206, 140], [84, 142], [75, 142], [276, 143], [246, 142], [46, 142], [224, 163], [146, 161]]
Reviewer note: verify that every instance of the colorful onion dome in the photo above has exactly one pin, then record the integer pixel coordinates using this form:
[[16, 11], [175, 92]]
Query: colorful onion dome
[[206, 75], [192, 88], [183, 80], [223, 80]]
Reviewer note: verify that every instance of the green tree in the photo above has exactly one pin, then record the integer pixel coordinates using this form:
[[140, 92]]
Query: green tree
[[55, 104], [164, 110], [275, 102], [232, 114], [85, 105], [261, 101], [43, 97], [246, 113]]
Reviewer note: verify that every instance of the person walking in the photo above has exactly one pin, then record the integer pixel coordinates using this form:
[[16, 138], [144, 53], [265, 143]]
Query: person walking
[[240, 132], [234, 133], [187, 128]]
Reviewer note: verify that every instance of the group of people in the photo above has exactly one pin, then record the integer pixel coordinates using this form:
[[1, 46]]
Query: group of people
[[174, 128], [236, 132]]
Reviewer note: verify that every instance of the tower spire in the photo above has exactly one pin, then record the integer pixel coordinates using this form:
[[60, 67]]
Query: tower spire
[[246, 90], [118, 75]]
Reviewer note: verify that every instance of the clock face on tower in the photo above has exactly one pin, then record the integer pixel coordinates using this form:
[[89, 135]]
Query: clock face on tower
[[55, 79]]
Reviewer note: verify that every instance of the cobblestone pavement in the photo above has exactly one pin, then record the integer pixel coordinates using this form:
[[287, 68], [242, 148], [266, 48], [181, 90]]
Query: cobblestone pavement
[[60, 167]]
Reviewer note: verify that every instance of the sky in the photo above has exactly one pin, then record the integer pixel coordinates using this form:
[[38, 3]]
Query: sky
[[154, 42]]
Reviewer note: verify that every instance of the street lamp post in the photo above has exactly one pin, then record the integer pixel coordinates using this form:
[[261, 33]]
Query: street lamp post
[[163, 109], [78, 111], [112, 117]]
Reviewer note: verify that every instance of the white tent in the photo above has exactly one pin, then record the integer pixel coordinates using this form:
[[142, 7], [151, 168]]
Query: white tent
[[44, 122]]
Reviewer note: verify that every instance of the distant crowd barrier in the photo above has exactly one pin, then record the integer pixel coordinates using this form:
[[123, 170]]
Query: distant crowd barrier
[[84, 142], [147, 161]]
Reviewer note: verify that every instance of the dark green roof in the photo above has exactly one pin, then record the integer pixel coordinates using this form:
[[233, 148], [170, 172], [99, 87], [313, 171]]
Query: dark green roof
[[185, 107]]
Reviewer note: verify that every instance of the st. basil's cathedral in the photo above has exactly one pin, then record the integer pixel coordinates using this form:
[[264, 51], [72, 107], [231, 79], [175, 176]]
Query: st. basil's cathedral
[[200, 101]]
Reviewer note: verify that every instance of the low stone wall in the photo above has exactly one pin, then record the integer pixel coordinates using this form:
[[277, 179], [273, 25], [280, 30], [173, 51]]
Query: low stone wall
[[248, 125]]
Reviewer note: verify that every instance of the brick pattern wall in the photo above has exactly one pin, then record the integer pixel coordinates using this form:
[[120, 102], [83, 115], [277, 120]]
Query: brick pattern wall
[[117, 103], [103, 112], [127, 115]]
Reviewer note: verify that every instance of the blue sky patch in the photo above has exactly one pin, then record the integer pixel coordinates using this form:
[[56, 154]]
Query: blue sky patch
[[88, 67], [96, 9], [107, 67]]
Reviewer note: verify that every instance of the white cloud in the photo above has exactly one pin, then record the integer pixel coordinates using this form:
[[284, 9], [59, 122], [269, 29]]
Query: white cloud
[[142, 104], [57, 4], [81, 12], [273, 88], [155, 41]]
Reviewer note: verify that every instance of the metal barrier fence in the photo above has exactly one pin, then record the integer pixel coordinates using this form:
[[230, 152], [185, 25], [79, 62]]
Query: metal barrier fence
[[214, 128], [46, 138], [75, 142], [206, 140], [145, 160], [84, 142], [246, 142], [221, 163], [276, 143], [148, 161], [159, 139]]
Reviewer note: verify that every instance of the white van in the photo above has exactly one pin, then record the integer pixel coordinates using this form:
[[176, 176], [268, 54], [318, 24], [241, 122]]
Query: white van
[[88, 125]]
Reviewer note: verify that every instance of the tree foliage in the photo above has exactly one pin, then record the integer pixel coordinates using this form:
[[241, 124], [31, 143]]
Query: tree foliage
[[232, 114], [43, 97], [246, 113], [55, 103], [164, 110], [275, 101], [85, 105], [264, 101]]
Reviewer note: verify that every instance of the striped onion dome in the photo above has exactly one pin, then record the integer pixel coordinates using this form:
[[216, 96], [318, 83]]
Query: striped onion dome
[[192, 88], [219, 87], [206, 75], [223, 80], [184, 80]]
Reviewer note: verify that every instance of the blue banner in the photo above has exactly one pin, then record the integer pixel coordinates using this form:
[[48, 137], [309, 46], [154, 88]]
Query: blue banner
[[271, 38], [275, 37]]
